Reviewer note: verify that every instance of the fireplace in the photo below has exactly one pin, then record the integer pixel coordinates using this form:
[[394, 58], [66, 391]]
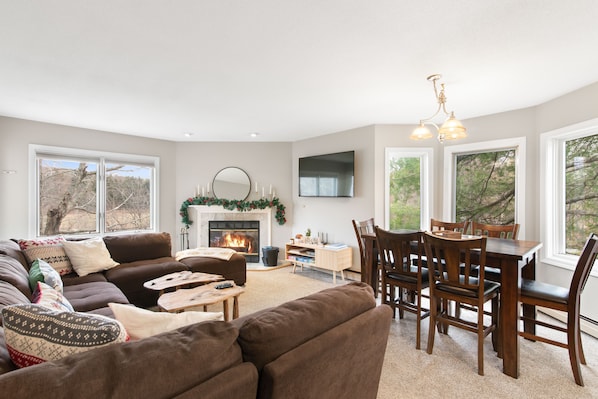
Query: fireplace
[[241, 235]]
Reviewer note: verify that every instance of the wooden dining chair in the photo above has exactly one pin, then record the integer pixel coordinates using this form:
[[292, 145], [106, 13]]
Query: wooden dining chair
[[366, 227], [403, 282], [451, 282], [508, 231], [533, 292], [461, 227]]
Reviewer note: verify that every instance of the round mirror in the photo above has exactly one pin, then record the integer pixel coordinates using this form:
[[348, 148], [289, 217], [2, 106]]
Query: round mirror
[[231, 183]]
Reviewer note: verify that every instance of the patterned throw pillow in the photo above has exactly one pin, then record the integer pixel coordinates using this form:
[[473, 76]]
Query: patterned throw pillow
[[49, 250], [42, 271], [35, 334], [46, 296]]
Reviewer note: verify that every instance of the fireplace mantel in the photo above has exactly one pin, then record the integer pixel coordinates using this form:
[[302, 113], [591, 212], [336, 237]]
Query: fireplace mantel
[[202, 214]]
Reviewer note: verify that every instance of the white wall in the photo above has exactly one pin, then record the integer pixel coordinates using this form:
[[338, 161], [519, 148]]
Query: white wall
[[333, 215]]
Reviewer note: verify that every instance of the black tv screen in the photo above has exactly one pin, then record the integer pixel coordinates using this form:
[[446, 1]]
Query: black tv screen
[[327, 175]]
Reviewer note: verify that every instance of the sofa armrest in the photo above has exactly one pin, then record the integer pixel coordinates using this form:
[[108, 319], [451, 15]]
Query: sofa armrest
[[344, 362], [133, 247]]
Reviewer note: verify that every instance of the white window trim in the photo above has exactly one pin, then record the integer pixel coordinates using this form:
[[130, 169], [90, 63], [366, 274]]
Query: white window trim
[[450, 153], [35, 149], [426, 156], [552, 198]]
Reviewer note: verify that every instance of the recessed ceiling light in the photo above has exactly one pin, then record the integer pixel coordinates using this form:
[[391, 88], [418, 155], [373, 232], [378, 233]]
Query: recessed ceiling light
[[254, 134], [188, 134]]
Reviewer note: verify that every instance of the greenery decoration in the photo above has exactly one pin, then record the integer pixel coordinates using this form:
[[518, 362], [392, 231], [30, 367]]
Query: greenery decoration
[[231, 205]]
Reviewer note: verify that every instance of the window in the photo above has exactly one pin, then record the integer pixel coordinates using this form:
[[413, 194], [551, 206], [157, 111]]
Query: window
[[408, 188], [485, 187], [81, 192], [569, 200], [485, 182]]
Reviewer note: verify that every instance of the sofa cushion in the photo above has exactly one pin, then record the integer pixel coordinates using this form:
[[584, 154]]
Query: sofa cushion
[[143, 323], [74, 278], [48, 249], [35, 334], [134, 247], [13, 272], [42, 271], [269, 334], [48, 297], [129, 277], [90, 296], [89, 256], [161, 366], [12, 249], [10, 295]]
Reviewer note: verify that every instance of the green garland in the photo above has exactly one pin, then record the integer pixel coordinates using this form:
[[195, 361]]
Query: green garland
[[239, 205]]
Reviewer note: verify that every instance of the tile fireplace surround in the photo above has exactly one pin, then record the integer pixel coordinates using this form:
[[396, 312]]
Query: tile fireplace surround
[[201, 215]]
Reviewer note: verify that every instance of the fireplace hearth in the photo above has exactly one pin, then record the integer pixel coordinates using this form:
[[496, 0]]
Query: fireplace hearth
[[241, 235]]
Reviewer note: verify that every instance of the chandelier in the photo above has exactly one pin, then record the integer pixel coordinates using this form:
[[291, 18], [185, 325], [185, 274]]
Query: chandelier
[[451, 128]]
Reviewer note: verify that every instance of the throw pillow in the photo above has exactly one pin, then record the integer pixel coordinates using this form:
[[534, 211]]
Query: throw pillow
[[89, 256], [49, 250], [42, 271], [142, 323], [35, 334], [46, 296]]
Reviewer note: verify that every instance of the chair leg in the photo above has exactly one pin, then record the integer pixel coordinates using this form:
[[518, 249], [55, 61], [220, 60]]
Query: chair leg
[[573, 343], [432, 327], [481, 340], [496, 334], [419, 322]]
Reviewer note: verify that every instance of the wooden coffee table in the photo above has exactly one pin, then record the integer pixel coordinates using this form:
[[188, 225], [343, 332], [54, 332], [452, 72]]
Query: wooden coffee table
[[180, 279], [204, 295]]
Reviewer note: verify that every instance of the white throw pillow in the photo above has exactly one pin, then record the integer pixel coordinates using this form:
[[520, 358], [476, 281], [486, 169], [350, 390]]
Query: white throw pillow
[[89, 256], [142, 323]]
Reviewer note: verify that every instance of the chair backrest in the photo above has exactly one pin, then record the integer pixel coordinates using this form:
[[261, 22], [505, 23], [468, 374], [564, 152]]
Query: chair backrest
[[584, 267], [508, 231], [397, 250], [461, 227], [363, 227], [454, 259]]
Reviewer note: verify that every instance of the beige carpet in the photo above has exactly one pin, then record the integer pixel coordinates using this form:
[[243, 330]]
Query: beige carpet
[[451, 371]]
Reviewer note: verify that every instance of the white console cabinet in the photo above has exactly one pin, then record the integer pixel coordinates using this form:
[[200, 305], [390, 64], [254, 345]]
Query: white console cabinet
[[320, 256]]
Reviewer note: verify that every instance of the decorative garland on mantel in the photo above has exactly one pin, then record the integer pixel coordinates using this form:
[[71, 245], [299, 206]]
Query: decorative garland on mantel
[[231, 205]]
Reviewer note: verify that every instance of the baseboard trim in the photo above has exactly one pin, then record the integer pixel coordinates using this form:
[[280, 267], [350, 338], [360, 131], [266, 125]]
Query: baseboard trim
[[587, 327]]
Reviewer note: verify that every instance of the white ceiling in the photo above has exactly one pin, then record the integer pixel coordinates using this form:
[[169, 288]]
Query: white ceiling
[[288, 70]]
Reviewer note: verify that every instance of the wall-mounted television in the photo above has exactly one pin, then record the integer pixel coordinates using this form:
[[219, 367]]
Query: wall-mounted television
[[327, 175]]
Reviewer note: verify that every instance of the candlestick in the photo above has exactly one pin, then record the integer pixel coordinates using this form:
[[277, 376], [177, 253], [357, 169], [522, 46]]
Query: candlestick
[[263, 192], [197, 192], [270, 189], [208, 188], [202, 192], [256, 187]]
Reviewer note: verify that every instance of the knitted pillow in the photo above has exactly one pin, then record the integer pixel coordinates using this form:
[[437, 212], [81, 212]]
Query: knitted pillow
[[49, 250], [50, 298], [35, 334]]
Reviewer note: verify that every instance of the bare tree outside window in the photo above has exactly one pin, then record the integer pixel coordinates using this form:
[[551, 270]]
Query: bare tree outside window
[[485, 187], [581, 191], [69, 202]]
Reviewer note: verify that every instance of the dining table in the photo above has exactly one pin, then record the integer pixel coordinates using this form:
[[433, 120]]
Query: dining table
[[516, 259]]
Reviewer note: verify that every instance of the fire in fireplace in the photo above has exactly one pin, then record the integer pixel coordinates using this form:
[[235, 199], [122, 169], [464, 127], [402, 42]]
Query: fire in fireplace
[[241, 235]]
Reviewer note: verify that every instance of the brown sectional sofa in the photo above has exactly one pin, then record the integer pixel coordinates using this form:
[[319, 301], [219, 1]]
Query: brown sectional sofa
[[327, 345]]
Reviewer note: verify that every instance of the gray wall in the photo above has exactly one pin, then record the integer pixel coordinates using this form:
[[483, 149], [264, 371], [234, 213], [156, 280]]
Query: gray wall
[[333, 215], [185, 165], [266, 163], [17, 134]]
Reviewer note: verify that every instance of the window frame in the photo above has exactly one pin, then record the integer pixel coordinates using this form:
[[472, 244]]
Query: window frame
[[100, 157], [426, 156], [552, 199], [450, 159]]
